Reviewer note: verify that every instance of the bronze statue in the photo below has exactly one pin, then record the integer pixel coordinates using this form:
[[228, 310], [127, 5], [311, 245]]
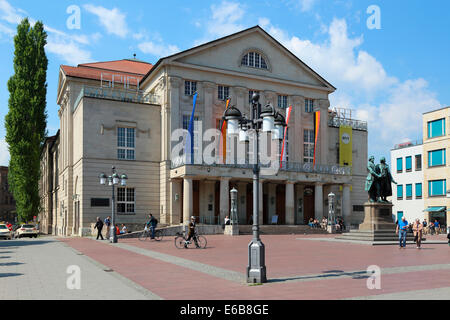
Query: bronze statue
[[372, 180], [385, 180]]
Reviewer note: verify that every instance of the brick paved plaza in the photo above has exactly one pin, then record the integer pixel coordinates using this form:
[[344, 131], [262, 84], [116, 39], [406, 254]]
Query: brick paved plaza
[[298, 267]]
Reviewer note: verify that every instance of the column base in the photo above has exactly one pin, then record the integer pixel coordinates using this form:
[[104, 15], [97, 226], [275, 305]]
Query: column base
[[256, 271]]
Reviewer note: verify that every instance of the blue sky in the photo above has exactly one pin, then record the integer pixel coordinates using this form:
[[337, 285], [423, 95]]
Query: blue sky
[[388, 76]]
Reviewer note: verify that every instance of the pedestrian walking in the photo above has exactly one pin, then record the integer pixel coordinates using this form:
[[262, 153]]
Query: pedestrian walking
[[402, 229], [425, 226], [418, 231], [99, 227], [108, 225], [437, 226]]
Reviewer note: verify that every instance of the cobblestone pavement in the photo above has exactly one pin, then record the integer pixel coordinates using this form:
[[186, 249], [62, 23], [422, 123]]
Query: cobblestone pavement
[[37, 269], [295, 269]]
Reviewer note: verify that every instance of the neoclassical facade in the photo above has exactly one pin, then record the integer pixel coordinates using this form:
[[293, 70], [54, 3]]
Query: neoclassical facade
[[125, 113]]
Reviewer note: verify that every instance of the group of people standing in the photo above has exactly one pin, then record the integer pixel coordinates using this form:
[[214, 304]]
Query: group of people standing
[[107, 222], [418, 228]]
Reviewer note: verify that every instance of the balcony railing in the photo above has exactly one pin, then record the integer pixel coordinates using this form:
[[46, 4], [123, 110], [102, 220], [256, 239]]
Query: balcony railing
[[135, 96], [286, 166], [334, 121]]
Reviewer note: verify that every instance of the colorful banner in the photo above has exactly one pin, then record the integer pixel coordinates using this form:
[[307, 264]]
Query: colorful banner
[[223, 137], [316, 132], [345, 146], [284, 137], [190, 137]]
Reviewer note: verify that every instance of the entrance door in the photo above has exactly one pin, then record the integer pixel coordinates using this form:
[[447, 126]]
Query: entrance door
[[281, 203], [308, 204]]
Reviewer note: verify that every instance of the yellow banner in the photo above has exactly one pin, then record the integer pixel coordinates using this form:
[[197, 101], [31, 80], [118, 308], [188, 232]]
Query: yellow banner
[[345, 146]]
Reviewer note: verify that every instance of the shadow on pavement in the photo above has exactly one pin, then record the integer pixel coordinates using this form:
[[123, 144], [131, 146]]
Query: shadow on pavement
[[10, 264], [7, 257], [6, 275], [327, 274], [14, 244]]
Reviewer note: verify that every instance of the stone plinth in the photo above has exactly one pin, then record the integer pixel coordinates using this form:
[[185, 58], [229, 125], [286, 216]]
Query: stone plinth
[[377, 217], [231, 230]]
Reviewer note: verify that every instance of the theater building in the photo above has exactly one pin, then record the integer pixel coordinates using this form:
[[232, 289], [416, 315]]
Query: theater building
[[124, 114]]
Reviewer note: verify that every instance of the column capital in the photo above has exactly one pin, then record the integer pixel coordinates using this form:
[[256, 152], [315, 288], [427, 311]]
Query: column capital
[[225, 178], [174, 82], [240, 91], [298, 99], [319, 184], [290, 182]]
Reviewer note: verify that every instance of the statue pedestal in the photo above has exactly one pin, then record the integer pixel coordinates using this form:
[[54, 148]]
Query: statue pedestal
[[231, 230], [377, 217], [377, 225]]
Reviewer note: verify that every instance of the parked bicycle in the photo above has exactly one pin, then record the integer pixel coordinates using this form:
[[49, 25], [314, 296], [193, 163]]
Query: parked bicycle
[[182, 242], [146, 234]]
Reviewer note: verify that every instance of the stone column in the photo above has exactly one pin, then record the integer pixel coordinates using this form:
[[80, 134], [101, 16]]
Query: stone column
[[290, 210], [318, 201], [175, 202], [346, 205], [188, 200], [224, 198]]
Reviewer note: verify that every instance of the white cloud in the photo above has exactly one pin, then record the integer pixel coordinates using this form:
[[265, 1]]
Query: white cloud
[[158, 49], [6, 30], [112, 20], [392, 107], [4, 153], [9, 13], [224, 20], [68, 50], [306, 5]]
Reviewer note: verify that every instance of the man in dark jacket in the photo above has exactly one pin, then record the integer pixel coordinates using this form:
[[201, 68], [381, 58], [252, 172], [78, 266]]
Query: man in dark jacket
[[191, 232], [99, 227], [151, 224]]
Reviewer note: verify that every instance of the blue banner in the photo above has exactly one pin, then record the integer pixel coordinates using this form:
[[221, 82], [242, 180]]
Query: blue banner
[[190, 137]]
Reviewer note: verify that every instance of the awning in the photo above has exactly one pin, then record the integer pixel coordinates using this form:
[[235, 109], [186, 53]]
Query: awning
[[436, 209]]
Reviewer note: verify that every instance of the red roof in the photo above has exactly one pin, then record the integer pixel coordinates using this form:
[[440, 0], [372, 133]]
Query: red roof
[[94, 70]]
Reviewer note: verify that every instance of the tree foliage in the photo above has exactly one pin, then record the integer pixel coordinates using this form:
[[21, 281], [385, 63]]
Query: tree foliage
[[26, 120]]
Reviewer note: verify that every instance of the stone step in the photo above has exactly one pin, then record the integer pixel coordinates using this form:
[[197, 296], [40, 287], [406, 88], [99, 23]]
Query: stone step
[[377, 235], [281, 229]]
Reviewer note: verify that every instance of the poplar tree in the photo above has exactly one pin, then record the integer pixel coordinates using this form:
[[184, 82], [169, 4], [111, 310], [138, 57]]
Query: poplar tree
[[26, 120]]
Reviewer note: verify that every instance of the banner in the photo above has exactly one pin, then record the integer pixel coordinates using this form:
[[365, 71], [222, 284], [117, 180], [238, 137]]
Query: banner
[[316, 132], [223, 137], [190, 137], [284, 137], [345, 146]]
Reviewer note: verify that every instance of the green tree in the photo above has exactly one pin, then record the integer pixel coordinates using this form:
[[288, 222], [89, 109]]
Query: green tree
[[26, 120]]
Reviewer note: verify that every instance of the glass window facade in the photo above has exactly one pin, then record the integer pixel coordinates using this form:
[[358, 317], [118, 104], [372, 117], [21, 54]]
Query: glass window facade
[[126, 143], [418, 190], [308, 146], [309, 105], [399, 164], [282, 102], [436, 158], [190, 87], [436, 128], [223, 92], [408, 191], [418, 162], [125, 200], [437, 188], [400, 191], [408, 163]]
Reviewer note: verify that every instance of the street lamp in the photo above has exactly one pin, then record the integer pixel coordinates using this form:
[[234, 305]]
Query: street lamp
[[267, 120], [113, 180]]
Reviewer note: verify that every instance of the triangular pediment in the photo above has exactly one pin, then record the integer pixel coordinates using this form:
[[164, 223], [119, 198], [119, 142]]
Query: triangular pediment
[[226, 54]]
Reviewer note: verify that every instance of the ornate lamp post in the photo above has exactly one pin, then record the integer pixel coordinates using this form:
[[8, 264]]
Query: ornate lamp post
[[262, 119], [113, 180]]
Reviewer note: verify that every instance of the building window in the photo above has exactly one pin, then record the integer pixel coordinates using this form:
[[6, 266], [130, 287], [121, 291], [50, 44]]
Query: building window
[[399, 215], [436, 128], [436, 158], [437, 188], [125, 201], [308, 146], [282, 102], [409, 191], [399, 165], [418, 190], [408, 164], [309, 105], [190, 87], [126, 143], [255, 60], [419, 162], [250, 95], [399, 192], [223, 92]]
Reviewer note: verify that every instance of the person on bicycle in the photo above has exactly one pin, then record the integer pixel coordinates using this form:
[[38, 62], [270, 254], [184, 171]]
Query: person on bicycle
[[191, 233], [151, 224]]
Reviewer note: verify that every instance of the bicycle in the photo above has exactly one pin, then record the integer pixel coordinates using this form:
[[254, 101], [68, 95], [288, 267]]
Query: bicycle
[[181, 241], [146, 234]]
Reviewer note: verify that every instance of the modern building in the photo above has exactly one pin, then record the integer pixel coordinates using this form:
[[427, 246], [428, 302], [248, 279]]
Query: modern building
[[7, 202], [422, 171], [126, 114], [407, 171], [436, 154]]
